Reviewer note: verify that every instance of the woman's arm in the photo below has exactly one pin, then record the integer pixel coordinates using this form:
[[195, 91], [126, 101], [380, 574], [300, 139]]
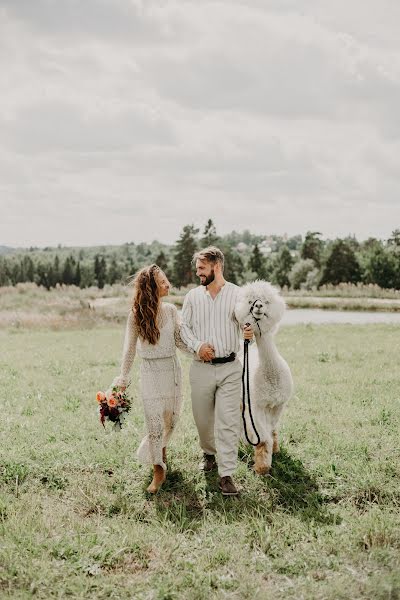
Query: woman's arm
[[179, 343], [128, 352]]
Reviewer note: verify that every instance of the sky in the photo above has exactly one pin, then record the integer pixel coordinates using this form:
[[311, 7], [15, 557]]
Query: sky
[[123, 121]]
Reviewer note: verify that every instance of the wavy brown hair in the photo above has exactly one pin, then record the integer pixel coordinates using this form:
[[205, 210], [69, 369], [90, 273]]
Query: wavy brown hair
[[146, 303]]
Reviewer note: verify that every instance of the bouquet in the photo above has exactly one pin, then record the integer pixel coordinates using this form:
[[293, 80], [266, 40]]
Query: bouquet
[[113, 406]]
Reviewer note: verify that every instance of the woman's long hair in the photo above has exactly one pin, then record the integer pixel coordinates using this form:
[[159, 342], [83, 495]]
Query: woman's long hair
[[146, 302]]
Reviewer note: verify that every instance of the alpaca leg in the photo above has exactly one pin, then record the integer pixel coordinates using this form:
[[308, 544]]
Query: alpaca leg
[[275, 417], [260, 459], [275, 442], [263, 457]]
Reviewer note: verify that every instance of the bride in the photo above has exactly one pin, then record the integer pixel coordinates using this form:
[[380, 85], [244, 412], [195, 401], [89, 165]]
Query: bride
[[152, 331]]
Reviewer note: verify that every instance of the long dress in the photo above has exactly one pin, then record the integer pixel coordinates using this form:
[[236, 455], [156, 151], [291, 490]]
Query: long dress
[[161, 381]]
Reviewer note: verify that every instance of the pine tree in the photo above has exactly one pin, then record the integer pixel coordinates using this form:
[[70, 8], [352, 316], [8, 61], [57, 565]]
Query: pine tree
[[233, 267], [210, 237], [282, 267], [67, 276], [257, 263], [77, 277], [56, 270], [29, 269], [312, 247], [185, 247], [100, 270], [162, 262]]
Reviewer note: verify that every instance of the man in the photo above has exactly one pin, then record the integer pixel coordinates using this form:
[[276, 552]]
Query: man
[[210, 329]]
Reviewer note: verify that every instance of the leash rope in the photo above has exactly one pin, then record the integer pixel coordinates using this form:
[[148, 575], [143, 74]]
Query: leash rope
[[246, 376]]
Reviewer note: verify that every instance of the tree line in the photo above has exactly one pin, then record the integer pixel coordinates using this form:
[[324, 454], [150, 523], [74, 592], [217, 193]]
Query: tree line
[[292, 262]]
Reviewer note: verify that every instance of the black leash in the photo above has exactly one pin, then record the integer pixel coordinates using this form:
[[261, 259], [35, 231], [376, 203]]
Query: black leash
[[246, 375]]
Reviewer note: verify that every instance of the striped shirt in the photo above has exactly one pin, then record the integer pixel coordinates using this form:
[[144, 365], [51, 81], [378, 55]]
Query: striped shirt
[[212, 321]]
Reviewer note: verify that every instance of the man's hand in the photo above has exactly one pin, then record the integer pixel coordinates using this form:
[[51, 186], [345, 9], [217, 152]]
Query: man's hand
[[206, 352], [248, 332]]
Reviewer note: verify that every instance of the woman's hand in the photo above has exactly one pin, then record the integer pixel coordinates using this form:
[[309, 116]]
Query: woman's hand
[[207, 352]]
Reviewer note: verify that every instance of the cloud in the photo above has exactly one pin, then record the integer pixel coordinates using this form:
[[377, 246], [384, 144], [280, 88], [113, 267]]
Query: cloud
[[110, 20], [62, 127], [275, 116]]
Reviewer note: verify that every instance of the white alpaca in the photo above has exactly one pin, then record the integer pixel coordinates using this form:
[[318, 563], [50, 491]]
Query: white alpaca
[[271, 384]]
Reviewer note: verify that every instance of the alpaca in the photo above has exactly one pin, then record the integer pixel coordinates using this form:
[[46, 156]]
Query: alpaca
[[271, 384]]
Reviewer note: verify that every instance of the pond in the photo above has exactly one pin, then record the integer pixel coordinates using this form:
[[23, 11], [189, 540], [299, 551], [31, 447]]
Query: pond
[[317, 316]]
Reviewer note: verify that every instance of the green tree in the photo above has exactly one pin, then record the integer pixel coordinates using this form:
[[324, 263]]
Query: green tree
[[312, 247], [394, 240], [162, 262], [87, 275], [299, 272], [341, 265], [44, 274], [210, 237], [77, 276], [233, 263], [257, 263], [185, 247], [100, 270], [282, 266], [4, 275], [56, 269], [28, 268], [114, 272], [67, 276]]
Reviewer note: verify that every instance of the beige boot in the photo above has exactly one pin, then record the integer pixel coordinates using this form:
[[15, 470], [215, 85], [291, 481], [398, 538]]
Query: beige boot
[[159, 477]]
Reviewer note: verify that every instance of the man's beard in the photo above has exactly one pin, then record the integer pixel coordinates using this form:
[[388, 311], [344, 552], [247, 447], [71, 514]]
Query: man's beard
[[209, 279]]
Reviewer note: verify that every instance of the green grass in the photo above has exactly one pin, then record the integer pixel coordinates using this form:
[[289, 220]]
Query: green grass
[[76, 522]]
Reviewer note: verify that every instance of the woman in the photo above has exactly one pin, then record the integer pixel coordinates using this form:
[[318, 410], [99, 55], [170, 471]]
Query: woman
[[153, 330]]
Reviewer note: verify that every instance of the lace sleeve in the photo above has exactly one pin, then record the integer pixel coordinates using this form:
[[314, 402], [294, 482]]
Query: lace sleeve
[[128, 352], [179, 343]]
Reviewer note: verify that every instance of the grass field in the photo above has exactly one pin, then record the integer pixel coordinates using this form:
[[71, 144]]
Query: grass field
[[76, 522]]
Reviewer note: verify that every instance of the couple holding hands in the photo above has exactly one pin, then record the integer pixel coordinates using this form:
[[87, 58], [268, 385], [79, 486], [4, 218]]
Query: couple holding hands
[[209, 332]]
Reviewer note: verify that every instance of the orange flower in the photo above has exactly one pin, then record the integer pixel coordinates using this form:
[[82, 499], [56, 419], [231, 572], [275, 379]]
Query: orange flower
[[112, 401], [100, 397]]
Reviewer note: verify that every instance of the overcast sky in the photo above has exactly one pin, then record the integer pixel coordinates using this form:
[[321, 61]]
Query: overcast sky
[[124, 121]]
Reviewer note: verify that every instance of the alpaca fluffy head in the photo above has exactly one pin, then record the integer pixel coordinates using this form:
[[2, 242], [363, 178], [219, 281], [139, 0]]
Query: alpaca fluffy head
[[259, 303]]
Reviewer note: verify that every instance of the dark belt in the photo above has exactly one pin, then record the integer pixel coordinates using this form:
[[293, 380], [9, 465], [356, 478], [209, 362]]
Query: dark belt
[[223, 359]]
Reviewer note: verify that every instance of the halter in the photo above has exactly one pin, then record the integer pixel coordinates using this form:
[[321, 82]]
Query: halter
[[255, 318]]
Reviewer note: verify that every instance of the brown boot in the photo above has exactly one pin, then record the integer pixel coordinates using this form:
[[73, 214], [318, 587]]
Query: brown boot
[[158, 479], [227, 486]]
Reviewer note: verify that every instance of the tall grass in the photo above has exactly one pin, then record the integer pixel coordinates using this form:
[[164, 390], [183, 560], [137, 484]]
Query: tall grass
[[75, 520]]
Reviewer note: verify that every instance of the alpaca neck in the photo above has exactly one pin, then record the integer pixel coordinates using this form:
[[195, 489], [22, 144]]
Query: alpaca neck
[[267, 349]]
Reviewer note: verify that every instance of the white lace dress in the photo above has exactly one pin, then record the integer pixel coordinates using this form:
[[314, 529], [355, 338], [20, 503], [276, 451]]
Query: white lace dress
[[161, 381]]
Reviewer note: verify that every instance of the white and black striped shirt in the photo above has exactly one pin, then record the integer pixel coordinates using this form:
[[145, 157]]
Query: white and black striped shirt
[[205, 320]]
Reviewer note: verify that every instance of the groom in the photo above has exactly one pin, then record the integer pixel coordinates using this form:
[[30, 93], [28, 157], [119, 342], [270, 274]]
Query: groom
[[210, 329]]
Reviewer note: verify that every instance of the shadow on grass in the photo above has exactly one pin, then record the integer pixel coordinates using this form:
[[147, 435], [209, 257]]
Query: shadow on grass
[[292, 487], [178, 502], [187, 500]]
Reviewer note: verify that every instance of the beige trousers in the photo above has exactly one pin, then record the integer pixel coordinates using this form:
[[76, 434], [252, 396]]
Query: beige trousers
[[216, 398]]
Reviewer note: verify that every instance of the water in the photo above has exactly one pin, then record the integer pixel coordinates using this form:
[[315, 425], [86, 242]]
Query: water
[[317, 316]]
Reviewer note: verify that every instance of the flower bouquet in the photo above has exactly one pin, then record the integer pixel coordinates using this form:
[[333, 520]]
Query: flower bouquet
[[113, 406]]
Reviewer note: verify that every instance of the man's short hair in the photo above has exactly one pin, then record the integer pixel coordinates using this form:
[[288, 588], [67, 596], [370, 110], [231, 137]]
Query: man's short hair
[[211, 254]]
